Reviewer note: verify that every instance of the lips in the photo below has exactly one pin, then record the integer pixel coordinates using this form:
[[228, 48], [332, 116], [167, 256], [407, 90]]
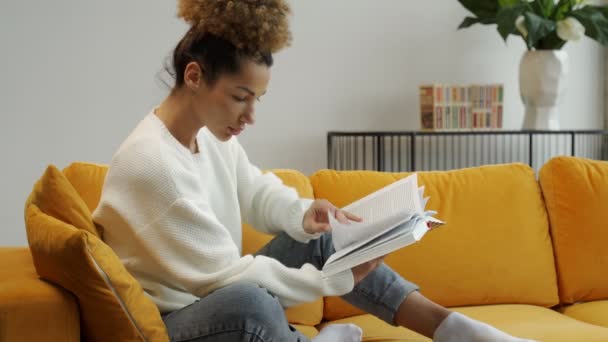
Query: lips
[[235, 131]]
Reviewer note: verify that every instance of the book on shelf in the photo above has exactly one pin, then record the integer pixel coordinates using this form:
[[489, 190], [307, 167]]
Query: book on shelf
[[393, 217], [453, 107]]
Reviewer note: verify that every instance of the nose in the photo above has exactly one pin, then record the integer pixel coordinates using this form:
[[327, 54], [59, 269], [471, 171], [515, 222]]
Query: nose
[[248, 119], [249, 116]]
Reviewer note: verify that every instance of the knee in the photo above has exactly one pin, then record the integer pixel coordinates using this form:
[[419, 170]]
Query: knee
[[251, 303]]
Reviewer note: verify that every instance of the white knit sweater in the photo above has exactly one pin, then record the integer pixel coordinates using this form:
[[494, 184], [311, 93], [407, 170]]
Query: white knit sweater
[[174, 219]]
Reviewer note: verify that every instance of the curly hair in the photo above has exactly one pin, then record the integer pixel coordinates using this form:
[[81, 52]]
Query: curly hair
[[224, 32], [251, 25]]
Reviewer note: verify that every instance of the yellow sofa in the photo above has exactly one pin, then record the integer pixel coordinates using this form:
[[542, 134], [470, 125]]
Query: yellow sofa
[[525, 255]]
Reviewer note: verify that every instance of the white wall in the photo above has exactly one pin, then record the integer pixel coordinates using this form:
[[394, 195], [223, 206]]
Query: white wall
[[76, 76]]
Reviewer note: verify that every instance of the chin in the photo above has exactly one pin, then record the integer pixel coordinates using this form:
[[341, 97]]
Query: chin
[[221, 136]]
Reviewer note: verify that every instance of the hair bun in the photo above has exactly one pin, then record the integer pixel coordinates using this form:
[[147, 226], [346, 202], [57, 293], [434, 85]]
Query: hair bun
[[252, 25]]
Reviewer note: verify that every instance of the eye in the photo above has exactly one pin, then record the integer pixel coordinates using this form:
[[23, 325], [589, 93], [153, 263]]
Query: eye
[[238, 99]]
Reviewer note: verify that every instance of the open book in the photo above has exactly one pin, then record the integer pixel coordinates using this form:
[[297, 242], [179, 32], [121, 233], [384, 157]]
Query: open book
[[393, 217]]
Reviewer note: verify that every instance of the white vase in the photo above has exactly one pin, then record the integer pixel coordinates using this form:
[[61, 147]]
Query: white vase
[[542, 84]]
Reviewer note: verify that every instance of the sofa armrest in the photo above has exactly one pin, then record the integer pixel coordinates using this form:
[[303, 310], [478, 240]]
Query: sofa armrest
[[32, 309]]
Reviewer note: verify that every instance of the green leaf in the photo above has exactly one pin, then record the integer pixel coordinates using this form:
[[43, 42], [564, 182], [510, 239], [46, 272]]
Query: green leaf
[[505, 19], [547, 7], [595, 23], [551, 42], [483, 9], [536, 7], [538, 27], [562, 9], [508, 3], [603, 9], [469, 21]]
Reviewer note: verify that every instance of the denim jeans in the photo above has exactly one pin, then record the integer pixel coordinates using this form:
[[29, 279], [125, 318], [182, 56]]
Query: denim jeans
[[248, 312]]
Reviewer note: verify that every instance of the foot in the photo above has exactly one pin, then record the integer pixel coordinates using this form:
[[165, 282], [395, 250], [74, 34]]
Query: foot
[[339, 333], [460, 328]]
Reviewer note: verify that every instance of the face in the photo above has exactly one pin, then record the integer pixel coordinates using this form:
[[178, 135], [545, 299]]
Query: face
[[228, 105]]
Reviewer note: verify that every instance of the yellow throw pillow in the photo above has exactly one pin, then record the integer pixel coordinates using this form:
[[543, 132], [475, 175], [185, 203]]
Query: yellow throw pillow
[[87, 179], [576, 193], [494, 249], [55, 196], [113, 306]]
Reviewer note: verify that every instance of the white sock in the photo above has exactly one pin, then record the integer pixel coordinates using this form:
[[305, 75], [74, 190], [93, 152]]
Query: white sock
[[460, 328], [339, 333]]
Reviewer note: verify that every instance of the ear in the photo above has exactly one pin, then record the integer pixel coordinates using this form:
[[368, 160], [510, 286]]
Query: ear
[[193, 76]]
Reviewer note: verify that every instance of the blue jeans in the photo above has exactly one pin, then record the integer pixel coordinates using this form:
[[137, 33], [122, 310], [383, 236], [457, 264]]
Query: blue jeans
[[248, 312]]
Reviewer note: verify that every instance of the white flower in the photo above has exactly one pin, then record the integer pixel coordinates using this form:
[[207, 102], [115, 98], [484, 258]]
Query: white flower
[[520, 23], [570, 29]]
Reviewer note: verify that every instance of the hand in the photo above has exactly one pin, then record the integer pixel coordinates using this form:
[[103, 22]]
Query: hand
[[316, 218], [361, 271]]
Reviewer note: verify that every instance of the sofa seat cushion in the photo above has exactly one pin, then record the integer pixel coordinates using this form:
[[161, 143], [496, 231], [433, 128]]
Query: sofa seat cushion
[[494, 249], [536, 323], [576, 193], [32, 309], [375, 329], [526, 321], [307, 330], [591, 312]]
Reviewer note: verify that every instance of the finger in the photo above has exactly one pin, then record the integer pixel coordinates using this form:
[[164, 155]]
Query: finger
[[321, 216], [341, 217], [321, 227], [352, 216], [377, 263], [331, 211], [328, 212]]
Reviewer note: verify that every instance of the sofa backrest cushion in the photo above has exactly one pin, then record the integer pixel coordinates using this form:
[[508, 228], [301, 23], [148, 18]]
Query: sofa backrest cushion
[[495, 247], [576, 193]]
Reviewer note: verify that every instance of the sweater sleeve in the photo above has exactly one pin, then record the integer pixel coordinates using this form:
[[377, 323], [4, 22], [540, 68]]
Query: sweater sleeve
[[195, 252], [266, 203]]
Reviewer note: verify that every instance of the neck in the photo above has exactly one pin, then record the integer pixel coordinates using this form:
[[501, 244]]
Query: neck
[[177, 113]]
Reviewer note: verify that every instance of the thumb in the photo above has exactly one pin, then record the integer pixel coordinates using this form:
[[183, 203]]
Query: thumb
[[318, 227]]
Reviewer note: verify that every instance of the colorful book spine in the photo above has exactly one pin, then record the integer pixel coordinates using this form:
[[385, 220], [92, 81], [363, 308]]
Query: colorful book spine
[[427, 109], [450, 107]]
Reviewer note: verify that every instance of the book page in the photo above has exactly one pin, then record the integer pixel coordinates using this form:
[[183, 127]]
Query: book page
[[347, 236], [404, 236], [402, 228], [425, 201], [421, 195], [379, 210], [402, 195]]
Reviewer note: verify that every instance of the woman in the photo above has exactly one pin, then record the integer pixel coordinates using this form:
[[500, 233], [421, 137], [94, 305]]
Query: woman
[[180, 184]]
